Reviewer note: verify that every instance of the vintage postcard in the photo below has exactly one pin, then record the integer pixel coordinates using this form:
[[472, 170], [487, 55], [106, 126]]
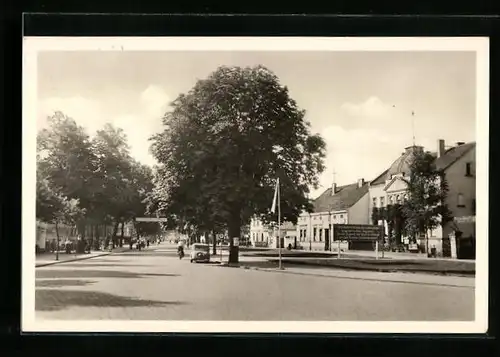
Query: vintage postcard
[[330, 185]]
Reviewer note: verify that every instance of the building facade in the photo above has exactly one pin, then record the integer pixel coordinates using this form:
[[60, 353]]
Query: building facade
[[458, 164], [347, 204], [260, 233]]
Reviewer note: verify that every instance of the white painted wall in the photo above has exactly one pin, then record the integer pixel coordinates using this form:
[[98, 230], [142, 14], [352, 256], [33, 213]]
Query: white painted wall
[[460, 184], [360, 212]]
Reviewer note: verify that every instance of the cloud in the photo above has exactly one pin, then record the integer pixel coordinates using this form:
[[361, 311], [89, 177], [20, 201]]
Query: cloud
[[361, 153], [138, 136], [139, 126], [373, 107], [155, 101], [86, 112]]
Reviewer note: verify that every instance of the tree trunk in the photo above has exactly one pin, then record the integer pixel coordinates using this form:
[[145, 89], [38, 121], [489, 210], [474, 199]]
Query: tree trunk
[[115, 232], [97, 235], [234, 227], [426, 242], [92, 233], [136, 234], [121, 234], [214, 242], [57, 237]]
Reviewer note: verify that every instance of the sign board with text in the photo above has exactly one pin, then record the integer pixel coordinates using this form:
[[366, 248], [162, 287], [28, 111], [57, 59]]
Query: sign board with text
[[465, 219], [236, 241], [357, 232]]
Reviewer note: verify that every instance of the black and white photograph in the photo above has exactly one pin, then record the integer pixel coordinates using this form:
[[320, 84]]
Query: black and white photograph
[[255, 184]]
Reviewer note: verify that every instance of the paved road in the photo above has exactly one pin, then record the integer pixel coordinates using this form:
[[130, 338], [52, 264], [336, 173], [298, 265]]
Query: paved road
[[156, 285]]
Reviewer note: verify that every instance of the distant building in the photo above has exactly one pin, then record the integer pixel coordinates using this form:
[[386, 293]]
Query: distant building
[[458, 163], [260, 233], [347, 204]]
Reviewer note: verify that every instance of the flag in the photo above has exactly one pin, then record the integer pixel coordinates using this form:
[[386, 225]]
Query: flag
[[273, 207]]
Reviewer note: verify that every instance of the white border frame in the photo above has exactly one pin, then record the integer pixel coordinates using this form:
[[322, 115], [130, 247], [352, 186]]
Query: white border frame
[[33, 45]]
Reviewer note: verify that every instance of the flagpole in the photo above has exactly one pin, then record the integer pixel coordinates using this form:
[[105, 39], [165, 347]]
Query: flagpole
[[279, 224]]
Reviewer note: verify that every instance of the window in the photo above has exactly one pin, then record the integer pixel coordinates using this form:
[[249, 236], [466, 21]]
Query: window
[[468, 169], [374, 201], [382, 203], [320, 235], [314, 235], [334, 216], [341, 216], [460, 200]]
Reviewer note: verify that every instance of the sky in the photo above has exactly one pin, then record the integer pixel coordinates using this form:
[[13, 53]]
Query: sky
[[360, 102]]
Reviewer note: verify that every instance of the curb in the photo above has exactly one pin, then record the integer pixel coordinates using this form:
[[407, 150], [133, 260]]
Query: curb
[[426, 272], [71, 260], [387, 270], [277, 270]]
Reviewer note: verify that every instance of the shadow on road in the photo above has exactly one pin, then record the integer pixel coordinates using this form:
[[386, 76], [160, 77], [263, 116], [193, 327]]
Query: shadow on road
[[105, 265], [63, 282], [93, 274], [143, 253], [52, 300], [268, 264]]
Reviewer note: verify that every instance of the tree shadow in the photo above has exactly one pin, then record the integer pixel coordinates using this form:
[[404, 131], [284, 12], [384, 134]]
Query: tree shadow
[[267, 264], [388, 266], [143, 253], [63, 282], [106, 265], [53, 300], [81, 273]]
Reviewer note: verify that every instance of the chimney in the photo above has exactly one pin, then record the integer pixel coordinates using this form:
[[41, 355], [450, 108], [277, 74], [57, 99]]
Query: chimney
[[361, 182], [334, 188], [440, 151], [459, 143]]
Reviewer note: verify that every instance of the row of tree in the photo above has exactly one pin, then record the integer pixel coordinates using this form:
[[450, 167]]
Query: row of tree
[[425, 207], [89, 182]]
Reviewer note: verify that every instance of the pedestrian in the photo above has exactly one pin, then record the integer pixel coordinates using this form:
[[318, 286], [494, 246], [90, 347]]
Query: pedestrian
[[147, 242]]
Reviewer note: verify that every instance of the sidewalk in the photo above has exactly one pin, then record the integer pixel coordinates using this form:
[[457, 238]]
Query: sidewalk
[[428, 266], [396, 277], [46, 259]]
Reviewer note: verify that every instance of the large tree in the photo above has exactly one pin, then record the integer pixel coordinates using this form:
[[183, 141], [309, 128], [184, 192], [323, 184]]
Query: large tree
[[66, 161], [115, 174], [228, 139], [426, 207]]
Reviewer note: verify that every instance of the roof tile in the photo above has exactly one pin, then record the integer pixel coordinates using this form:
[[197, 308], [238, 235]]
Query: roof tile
[[345, 197]]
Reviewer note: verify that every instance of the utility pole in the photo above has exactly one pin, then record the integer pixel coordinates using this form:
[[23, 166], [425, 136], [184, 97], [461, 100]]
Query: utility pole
[[413, 126]]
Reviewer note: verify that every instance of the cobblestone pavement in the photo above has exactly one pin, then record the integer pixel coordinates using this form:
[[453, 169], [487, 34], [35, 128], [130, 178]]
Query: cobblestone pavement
[[155, 285]]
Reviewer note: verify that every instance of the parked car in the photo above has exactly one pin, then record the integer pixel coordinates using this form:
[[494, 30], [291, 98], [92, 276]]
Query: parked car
[[200, 253]]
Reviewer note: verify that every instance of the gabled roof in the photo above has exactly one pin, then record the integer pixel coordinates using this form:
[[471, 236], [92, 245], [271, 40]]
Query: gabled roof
[[380, 179], [453, 154], [345, 197], [442, 163]]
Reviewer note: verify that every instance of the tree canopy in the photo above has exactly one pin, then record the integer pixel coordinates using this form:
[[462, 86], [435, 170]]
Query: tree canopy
[[426, 206], [224, 144], [82, 180]]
